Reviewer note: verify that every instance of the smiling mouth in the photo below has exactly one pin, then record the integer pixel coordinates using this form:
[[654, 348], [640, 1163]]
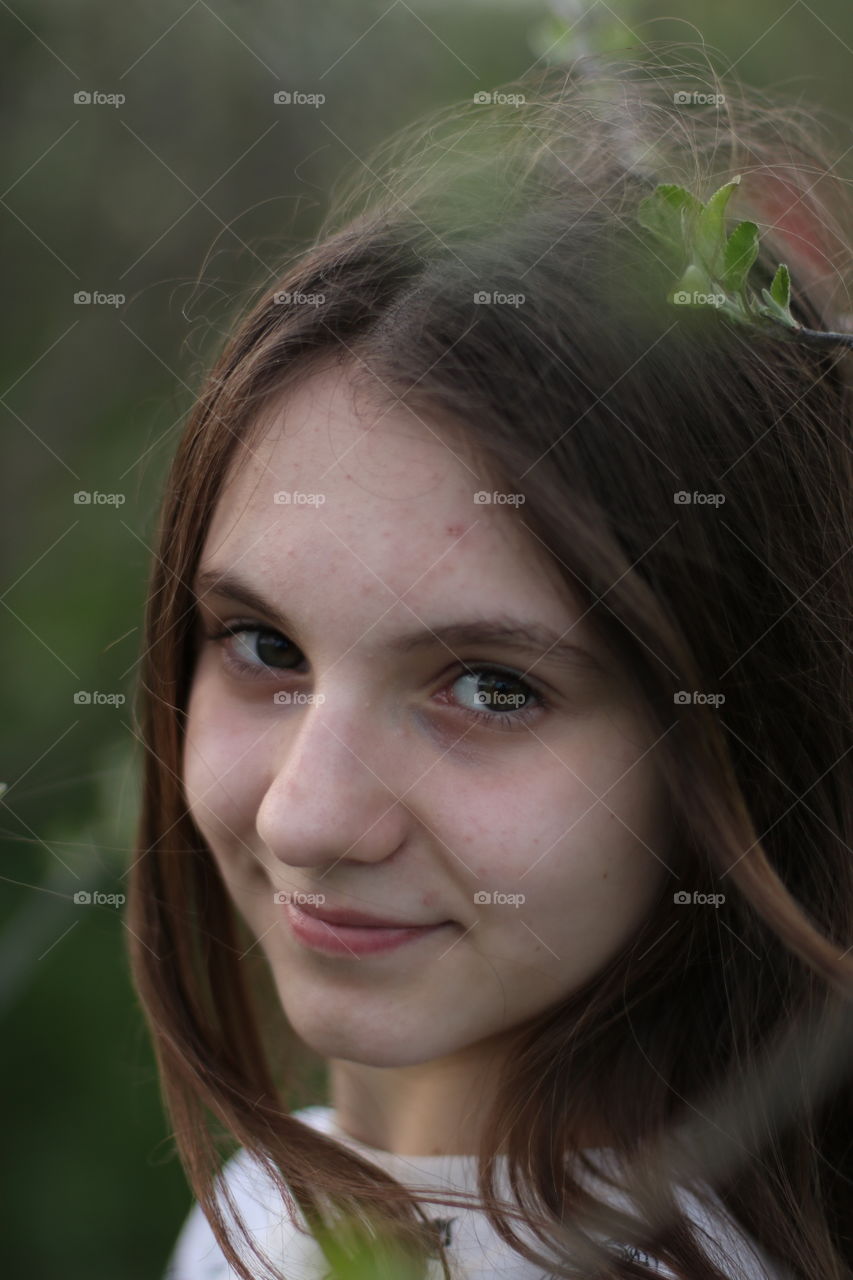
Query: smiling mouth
[[345, 916], [339, 937]]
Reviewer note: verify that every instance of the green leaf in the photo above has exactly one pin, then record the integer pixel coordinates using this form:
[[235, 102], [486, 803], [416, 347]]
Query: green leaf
[[773, 311], [717, 265], [711, 228], [780, 289], [740, 253], [663, 212], [678, 197]]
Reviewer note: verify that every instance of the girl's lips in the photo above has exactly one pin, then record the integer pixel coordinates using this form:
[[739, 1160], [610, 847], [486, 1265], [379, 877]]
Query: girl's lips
[[345, 939]]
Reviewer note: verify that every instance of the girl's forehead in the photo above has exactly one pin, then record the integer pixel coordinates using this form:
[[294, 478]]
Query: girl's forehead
[[382, 481], [334, 427], [369, 551], [333, 510]]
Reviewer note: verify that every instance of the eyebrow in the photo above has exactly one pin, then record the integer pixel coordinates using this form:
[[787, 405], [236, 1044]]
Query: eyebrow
[[509, 632]]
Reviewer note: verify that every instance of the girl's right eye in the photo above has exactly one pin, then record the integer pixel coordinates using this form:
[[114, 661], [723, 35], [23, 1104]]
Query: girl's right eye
[[253, 651]]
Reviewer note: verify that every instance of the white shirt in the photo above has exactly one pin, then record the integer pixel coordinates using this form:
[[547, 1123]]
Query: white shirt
[[476, 1252]]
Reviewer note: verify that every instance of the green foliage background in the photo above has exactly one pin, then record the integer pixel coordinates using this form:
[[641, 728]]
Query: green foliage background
[[181, 199]]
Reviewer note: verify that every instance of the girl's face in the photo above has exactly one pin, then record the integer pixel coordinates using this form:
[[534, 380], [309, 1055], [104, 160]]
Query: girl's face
[[367, 751]]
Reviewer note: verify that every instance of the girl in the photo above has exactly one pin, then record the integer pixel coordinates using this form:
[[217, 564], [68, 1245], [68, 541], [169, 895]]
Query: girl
[[497, 710]]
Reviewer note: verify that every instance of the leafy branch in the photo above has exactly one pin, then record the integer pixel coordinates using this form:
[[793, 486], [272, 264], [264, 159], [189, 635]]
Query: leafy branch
[[718, 265]]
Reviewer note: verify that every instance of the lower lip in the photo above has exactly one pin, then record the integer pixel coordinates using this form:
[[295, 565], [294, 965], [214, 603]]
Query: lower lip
[[349, 940]]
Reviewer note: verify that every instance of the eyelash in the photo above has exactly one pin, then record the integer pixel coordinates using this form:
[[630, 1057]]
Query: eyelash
[[494, 720]]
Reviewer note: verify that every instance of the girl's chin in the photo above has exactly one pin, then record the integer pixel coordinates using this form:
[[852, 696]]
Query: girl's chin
[[367, 1050], [392, 1033]]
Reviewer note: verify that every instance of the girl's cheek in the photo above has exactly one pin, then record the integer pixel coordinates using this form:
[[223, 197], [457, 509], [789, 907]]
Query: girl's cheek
[[590, 841], [219, 771]]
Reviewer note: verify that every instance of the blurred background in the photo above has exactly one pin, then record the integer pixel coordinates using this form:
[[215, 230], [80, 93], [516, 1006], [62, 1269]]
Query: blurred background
[[151, 182]]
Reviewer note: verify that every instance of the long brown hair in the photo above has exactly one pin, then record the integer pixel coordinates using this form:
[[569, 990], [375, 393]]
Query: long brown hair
[[717, 1043]]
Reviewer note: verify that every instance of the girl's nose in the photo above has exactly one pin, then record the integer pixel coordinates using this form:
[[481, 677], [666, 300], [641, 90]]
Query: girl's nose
[[335, 791]]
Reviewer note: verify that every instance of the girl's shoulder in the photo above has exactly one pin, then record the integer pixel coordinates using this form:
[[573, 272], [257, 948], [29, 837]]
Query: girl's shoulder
[[196, 1255]]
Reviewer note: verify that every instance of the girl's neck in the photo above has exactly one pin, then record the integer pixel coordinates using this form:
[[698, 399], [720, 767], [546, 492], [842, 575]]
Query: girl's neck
[[429, 1109], [438, 1108]]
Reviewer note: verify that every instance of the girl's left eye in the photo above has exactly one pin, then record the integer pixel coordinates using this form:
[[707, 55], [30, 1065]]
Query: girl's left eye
[[255, 651], [496, 696]]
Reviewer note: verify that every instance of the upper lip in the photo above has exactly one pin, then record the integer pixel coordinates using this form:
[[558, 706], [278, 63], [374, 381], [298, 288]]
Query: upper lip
[[346, 917]]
